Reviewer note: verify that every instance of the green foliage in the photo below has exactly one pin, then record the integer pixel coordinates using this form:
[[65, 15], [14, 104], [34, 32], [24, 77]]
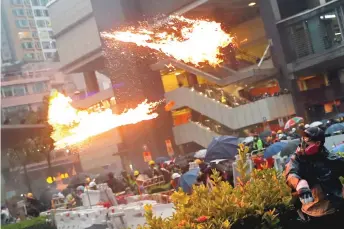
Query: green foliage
[[224, 205], [35, 223]]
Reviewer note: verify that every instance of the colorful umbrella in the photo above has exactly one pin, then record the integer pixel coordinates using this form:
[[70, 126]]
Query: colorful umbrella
[[292, 122]]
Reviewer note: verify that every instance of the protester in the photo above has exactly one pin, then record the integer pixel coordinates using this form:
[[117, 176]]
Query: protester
[[153, 170], [33, 206], [175, 180], [257, 143], [314, 174], [115, 184]]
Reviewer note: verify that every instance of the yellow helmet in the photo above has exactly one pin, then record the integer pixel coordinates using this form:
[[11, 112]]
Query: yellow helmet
[[279, 132], [151, 162], [136, 173], [198, 161], [29, 195]]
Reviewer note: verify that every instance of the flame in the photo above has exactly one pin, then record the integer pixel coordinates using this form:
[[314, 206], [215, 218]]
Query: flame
[[198, 41], [72, 126]]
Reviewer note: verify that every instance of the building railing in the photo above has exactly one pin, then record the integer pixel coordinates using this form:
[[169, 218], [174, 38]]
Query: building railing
[[313, 32]]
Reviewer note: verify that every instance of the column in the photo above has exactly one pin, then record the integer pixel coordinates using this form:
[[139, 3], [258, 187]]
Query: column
[[91, 82], [192, 79]]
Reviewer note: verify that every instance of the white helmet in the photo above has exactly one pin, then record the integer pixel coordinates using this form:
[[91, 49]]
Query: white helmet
[[92, 184], [175, 175], [307, 126]]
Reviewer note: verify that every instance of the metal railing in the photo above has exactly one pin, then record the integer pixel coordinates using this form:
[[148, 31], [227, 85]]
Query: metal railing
[[313, 31]]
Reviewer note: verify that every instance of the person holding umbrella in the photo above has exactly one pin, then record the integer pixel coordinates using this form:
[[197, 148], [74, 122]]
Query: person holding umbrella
[[314, 174]]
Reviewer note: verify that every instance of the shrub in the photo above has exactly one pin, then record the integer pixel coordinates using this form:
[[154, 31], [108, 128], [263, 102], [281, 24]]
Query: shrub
[[35, 223], [258, 203]]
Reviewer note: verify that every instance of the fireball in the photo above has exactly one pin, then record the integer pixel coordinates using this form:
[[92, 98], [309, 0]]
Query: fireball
[[191, 41], [72, 126]]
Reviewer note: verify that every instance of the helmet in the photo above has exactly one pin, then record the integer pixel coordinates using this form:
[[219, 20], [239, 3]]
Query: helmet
[[273, 133], [151, 162], [175, 175], [307, 126], [29, 195], [80, 188], [279, 132], [314, 134], [92, 184], [198, 161], [293, 130], [136, 173]]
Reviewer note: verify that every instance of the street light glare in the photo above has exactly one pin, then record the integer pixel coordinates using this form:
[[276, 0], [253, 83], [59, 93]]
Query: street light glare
[[252, 4]]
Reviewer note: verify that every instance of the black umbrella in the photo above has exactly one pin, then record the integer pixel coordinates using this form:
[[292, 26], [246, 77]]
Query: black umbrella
[[222, 147], [290, 148]]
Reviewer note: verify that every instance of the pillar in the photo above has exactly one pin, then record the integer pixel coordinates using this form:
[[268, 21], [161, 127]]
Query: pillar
[[192, 79], [91, 82]]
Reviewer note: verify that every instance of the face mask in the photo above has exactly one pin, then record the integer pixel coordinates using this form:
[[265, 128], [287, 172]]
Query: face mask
[[308, 149]]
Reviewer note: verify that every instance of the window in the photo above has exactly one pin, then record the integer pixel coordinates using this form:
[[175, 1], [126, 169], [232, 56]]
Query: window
[[27, 2], [29, 56], [44, 34], [35, 34], [24, 35], [53, 44], [22, 23], [17, 2], [27, 45], [38, 45], [44, 2], [6, 91], [39, 87], [32, 23], [29, 12], [19, 90], [49, 55], [35, 2], [45, 13], [18, 12], [39, 56], [48, 24], [41, 24], [38, 13], [46, 45]]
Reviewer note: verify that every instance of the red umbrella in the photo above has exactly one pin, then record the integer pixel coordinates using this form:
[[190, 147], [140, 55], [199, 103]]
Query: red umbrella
[[293, 122]]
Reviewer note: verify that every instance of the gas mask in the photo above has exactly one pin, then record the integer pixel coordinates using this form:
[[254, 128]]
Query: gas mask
[[308, 148]]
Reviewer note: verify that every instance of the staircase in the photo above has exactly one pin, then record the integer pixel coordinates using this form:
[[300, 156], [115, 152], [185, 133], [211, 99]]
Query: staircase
[[249, 114]]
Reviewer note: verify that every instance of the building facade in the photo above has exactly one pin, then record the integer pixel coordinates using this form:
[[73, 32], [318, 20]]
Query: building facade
[[308, 50], [197, 116], [26, 31], [24, 86]]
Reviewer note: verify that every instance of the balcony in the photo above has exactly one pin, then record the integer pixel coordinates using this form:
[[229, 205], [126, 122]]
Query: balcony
[[314, 37], [22, 79], [23, 100], [266, 109]]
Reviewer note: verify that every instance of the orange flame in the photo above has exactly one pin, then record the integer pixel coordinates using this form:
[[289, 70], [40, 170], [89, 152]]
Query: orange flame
[[198, 41], [72, 126]]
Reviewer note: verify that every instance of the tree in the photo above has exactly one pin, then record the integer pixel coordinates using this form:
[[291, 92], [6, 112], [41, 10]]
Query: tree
[[22, 155]]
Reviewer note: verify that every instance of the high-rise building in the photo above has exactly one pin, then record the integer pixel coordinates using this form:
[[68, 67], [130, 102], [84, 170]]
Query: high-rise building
[[26, 31]]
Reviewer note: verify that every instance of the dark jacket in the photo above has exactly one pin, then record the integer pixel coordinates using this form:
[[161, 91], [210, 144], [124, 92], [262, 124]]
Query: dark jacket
[[322, 172]]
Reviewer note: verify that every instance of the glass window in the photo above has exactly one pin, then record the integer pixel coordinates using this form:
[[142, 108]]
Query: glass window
[[6, 91], [18, 12], [38, 13], [22, 23], [41, 24], [44, 2], [45, 13], [29, 12], [39, 56], [27, 2], [35, 2], [46, 45], [53, 44], [19, 90], [24, 35], [39, 87], [17, 2], [44, 34], [27, 45], [29, 56], [51, 34]]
